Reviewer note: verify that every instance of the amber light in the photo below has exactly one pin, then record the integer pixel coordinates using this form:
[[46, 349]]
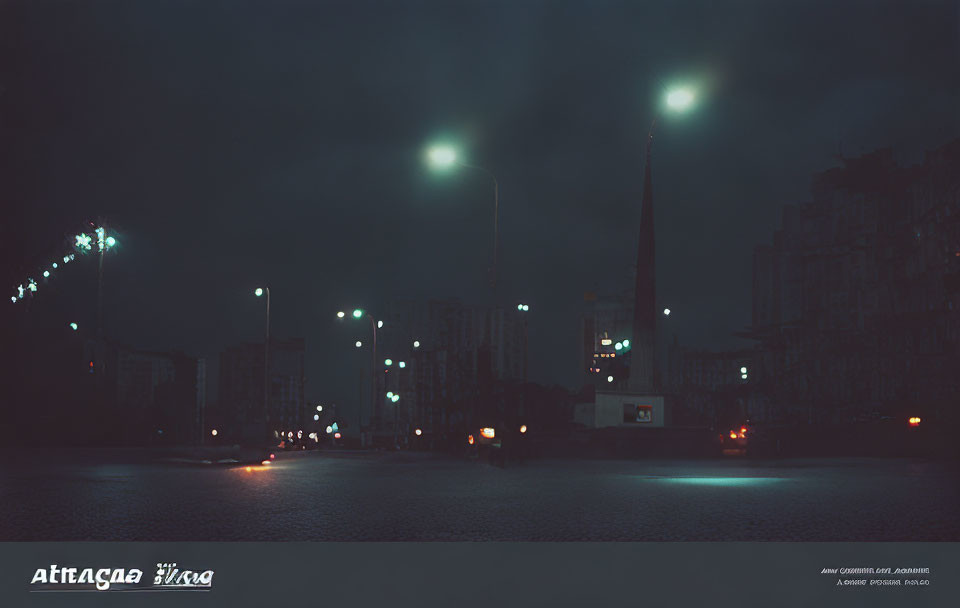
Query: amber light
[[914, 421], [733, 435], [523, 428], [470, 439], [265, 463], [488, 432]]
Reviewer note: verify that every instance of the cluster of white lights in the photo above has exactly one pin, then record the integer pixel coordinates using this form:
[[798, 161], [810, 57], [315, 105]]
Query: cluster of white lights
[[523, 307], [743, 373], [31, 283], [83, 242]]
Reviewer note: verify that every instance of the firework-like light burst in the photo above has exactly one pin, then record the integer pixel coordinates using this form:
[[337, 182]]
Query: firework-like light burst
[[83, 243]]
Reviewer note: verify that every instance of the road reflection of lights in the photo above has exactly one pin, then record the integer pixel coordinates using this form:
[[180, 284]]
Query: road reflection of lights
[[715, 481], [263, 466]]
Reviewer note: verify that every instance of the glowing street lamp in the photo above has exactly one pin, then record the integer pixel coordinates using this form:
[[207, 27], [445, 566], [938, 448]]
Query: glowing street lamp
[[340, 314], [666, 312], [358, 343], [416, 343], [441, 157], [680, 99]]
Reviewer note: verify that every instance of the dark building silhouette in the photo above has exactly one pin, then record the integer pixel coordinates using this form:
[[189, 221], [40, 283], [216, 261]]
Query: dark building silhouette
[[465, 355], [855, 303], [158, 395], [241, 403]]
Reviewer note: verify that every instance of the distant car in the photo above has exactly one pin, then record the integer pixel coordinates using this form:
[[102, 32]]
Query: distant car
[[736, 438]]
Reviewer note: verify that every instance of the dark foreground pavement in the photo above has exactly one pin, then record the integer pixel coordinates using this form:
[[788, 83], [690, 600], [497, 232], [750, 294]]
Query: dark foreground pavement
[[413, 497]]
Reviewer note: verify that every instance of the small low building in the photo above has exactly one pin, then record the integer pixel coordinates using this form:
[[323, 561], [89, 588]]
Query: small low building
[[622, 408]]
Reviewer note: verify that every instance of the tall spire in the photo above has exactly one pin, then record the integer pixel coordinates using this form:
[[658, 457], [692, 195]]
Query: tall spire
[[644, 298]]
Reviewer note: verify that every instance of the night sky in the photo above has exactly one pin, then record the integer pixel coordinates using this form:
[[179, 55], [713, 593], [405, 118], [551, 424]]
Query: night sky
[[237, 144]]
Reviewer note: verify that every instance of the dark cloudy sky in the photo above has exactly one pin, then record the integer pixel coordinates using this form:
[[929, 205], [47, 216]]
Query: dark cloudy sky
[[235, 144]]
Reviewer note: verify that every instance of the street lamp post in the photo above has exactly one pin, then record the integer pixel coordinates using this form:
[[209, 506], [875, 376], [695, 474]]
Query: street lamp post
[[445, 156], [523, 308], [395, 398], [266, 355], [359, 314]]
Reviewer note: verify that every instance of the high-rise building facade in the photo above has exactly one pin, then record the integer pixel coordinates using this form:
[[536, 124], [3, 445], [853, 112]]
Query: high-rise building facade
[[246, 415], [855, 303], [158, 395]]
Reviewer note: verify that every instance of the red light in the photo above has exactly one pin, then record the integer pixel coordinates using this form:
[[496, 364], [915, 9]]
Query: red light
[[336, 435], [91, 364], [470, 439], [272, 456], [743, 429]]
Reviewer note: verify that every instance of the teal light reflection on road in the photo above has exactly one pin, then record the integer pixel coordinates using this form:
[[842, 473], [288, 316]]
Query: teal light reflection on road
[[718, 481]]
